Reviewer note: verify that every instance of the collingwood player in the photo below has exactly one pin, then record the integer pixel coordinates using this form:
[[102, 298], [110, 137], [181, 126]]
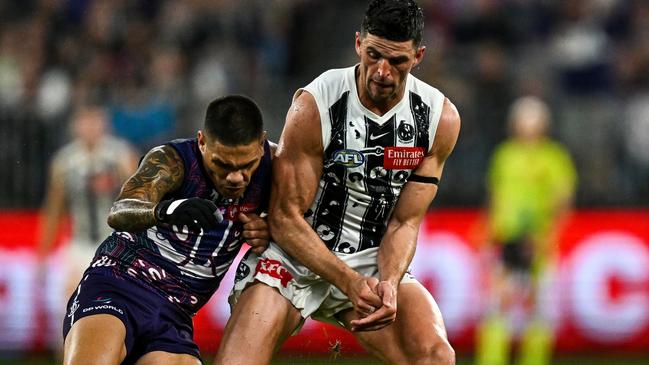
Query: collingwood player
[[357, 167], [180, 220]]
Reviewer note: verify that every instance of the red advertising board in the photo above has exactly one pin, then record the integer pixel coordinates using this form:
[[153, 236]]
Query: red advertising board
[[596, 297]]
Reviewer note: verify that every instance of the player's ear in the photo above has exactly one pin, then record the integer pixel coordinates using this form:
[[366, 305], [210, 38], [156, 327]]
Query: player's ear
[[358, 43], [200, 136], [419, 54]]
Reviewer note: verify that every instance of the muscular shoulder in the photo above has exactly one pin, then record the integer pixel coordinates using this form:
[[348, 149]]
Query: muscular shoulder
[[163, 155], [160, 171], [302, 130], [447, 131], [163, 161]]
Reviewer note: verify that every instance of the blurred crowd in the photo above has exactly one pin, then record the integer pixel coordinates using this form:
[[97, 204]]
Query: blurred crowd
[[155, 64]]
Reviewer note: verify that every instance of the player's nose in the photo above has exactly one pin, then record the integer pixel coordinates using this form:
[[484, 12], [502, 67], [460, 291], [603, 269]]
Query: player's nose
[[384, 68], [235, 177]]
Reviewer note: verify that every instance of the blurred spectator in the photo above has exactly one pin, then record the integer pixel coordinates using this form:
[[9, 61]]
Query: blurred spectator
[[636, 141], [531, 183], [145, 120], [581, 57], [85, 177], [155, 63]]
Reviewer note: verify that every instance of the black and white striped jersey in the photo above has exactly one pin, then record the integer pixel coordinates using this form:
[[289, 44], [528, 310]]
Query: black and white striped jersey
[[367, 158]]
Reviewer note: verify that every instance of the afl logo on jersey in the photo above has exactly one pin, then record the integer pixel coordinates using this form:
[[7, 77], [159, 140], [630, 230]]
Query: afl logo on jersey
[[405, 132], [348, 158]]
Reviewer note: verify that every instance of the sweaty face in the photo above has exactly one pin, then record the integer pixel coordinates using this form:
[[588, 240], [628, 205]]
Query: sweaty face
[[230, 167], [384, 68]]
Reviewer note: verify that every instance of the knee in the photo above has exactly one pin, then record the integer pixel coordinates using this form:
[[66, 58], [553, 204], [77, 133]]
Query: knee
[[437, 353]]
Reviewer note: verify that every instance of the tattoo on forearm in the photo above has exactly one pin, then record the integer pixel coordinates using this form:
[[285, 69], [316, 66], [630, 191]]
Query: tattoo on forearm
[[161, 172]]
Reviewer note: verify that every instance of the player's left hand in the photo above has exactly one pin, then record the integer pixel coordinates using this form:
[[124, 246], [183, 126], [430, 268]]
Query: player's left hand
[[255, 231], [385, 315]]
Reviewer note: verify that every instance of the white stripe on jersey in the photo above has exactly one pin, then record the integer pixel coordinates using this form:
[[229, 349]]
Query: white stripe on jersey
[[361, 181]]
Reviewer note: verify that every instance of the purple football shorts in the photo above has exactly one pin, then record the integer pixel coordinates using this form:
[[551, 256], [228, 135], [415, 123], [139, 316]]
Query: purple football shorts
[[152, 322]]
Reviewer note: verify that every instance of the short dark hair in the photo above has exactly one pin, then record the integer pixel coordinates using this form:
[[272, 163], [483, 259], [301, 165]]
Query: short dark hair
[[396, 20], [234, 120]]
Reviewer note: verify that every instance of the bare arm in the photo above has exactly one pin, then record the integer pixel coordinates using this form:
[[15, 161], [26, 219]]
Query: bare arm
[[398, 245], [53, 210], [400, 239], [160, 172], [297, 169]]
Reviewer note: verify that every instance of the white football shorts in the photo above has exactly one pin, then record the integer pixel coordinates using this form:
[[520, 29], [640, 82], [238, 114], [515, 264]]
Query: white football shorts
[[309, 293]]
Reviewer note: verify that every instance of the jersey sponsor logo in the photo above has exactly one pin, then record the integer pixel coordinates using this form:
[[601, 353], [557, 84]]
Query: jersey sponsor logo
[[348, 158], [274, 268], [402, 157], [232, 211]]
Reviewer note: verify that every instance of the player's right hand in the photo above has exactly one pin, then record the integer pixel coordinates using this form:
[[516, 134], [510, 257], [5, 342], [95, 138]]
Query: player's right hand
[[195, 213], [384, 315], [362, 294]]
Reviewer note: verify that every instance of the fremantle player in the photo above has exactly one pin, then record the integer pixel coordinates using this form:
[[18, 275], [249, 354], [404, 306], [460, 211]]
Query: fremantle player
[[180, 220], [357, 167]]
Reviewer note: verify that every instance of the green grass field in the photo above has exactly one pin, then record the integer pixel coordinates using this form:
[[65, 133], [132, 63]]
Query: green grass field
[[302, 360]]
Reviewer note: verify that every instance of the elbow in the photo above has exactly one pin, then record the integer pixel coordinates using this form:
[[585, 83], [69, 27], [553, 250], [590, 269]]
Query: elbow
[[116, 219], [113, 220]]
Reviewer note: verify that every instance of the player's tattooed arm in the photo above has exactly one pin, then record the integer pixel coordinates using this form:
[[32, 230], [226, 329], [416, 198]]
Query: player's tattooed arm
[[160, 172]]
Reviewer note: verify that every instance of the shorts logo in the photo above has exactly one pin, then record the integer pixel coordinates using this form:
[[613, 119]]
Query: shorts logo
[[102, 307], [274, 268], [242, 271], [348, 158], [402, 157], [73, 307]]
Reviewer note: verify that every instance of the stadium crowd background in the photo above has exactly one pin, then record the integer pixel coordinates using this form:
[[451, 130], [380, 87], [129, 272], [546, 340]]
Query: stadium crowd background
[[156, 64]]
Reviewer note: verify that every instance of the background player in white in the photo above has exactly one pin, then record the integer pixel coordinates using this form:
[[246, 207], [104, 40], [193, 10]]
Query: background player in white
[[347, 148], [85, 177]]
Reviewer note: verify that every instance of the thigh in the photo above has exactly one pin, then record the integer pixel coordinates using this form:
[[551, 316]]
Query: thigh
[[261, 319], [418, 334], [97, 339], [162, 357]]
